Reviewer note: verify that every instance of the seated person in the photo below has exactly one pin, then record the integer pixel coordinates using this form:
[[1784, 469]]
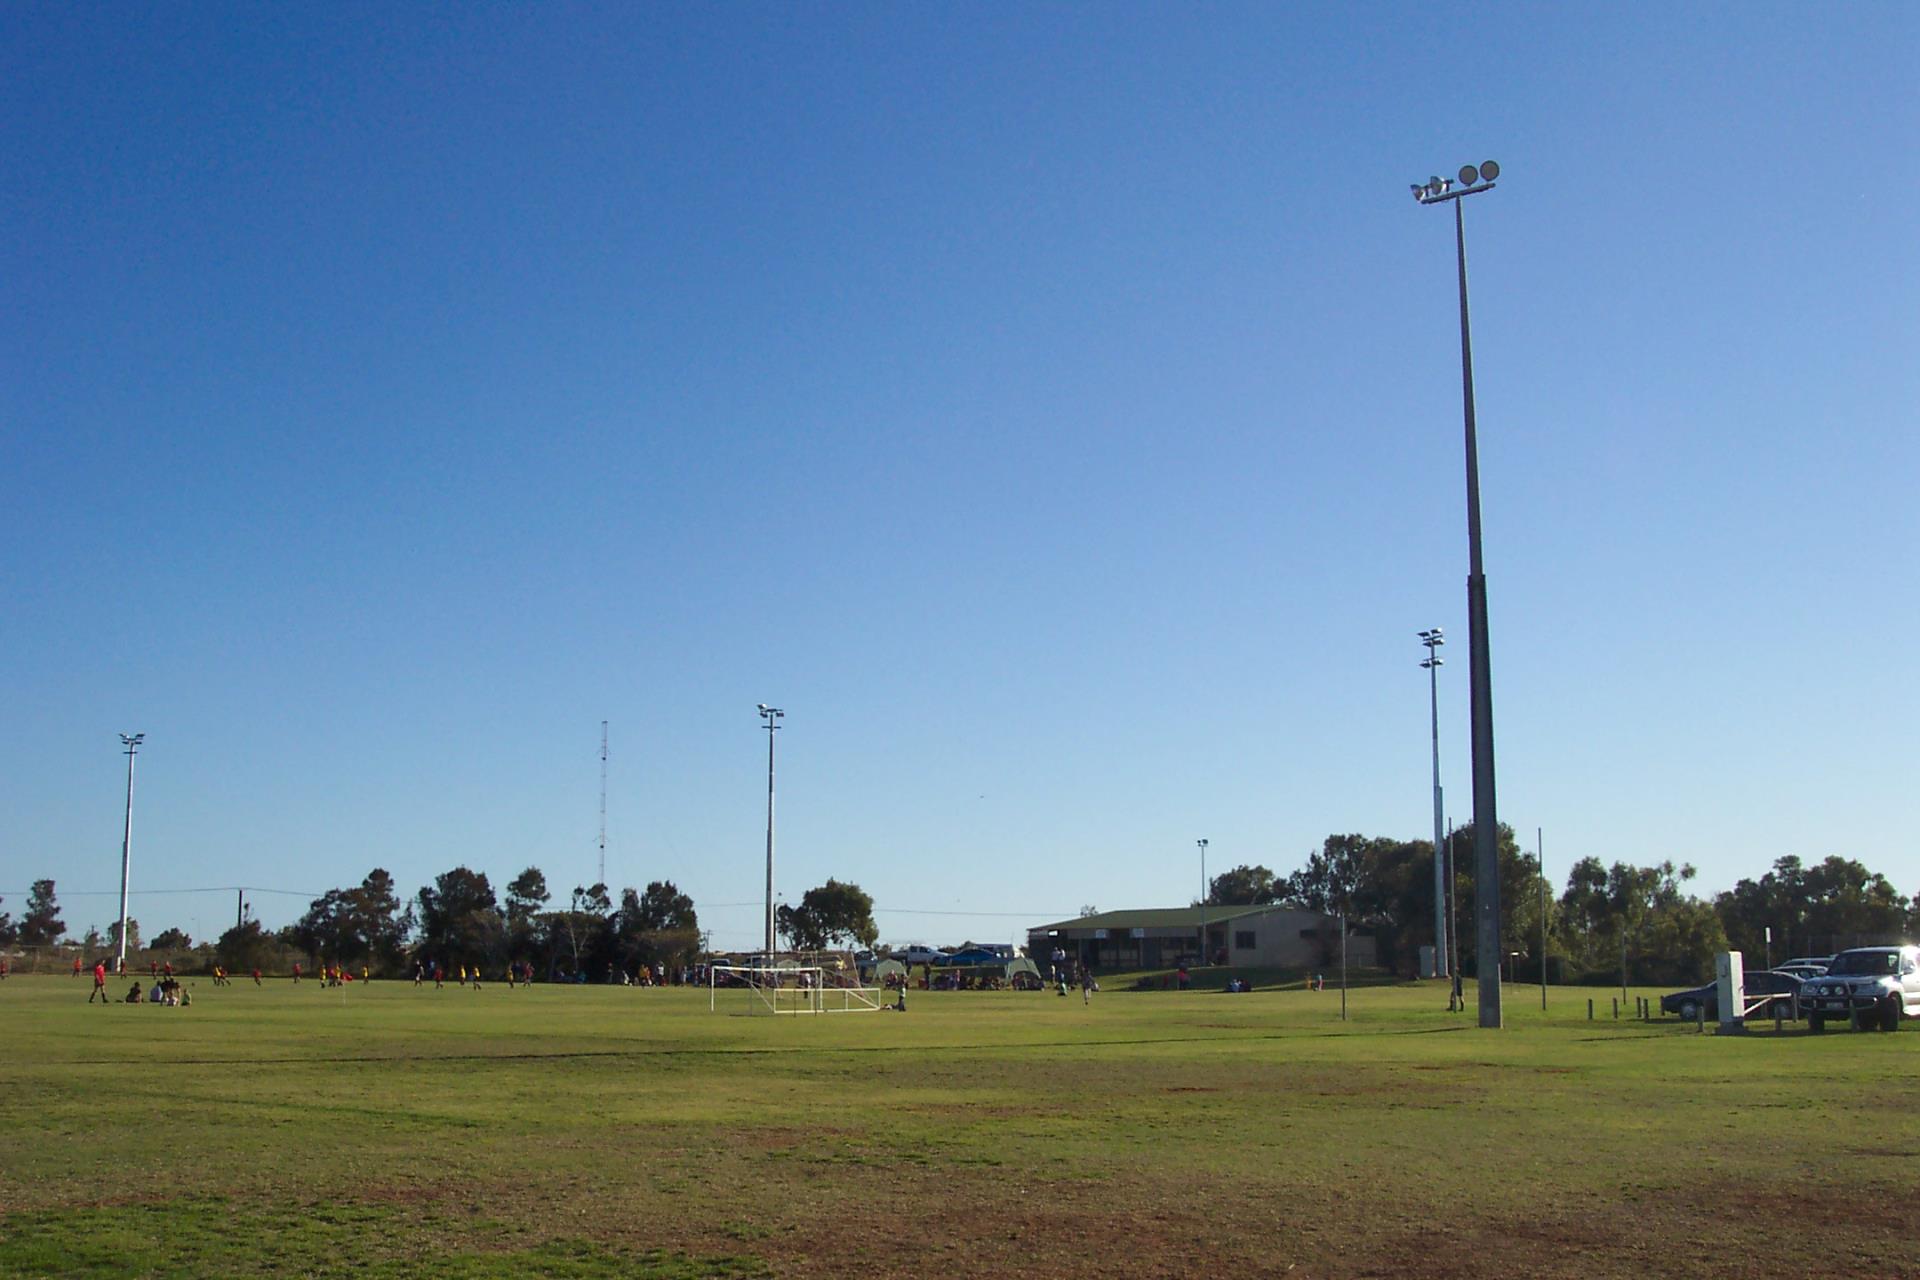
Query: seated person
[[133, 994]]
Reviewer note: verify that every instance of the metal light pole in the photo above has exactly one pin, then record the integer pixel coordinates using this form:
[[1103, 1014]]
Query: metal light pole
[[1204, 958], [1486, 823], [1540, 851], [1433, 639], [772, 715], [132, 744]]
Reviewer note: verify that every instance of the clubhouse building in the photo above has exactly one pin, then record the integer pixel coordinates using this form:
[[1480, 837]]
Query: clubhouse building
[[1164, 937]]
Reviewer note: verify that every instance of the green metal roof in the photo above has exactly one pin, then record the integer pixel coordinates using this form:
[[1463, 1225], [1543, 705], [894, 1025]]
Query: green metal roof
[[1158, 918]]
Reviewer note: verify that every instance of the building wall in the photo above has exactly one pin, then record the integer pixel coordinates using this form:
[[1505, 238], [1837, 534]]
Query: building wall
[[1291, 939]]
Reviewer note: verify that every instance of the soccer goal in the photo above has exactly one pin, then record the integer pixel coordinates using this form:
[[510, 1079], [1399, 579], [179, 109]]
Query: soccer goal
[[791, 988]]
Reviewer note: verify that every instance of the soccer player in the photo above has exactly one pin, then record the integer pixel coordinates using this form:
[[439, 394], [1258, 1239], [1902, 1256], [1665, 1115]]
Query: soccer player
[[99, 982], [256, 976], [296, 973]]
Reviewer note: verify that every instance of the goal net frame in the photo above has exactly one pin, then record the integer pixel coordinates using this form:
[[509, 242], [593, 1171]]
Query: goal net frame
[[788, 987]]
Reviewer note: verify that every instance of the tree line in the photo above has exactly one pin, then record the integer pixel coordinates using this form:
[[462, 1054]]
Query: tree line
[[1610, 922], [459, 920]]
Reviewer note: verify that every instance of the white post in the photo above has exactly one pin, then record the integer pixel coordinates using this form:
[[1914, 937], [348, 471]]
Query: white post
[[1730, 976]]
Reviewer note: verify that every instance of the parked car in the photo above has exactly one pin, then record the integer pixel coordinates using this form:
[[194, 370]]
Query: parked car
[[918, 954], [1818, 962], [1801, 970], [1877, 986], [1761, 982]]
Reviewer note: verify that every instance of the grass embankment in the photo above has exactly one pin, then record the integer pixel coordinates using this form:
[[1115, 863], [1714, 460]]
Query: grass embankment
[[384, 1131]]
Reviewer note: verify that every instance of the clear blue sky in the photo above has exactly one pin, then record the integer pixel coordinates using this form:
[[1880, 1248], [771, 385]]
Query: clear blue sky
[[1054, 408]]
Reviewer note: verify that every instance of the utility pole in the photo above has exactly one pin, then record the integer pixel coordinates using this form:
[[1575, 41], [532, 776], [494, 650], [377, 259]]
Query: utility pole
[[773, 716], [1540, 851], [603, 802], [1204, 957], [132, 743]]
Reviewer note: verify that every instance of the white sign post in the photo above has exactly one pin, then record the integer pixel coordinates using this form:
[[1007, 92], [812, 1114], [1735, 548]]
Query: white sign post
[[1730, 976]]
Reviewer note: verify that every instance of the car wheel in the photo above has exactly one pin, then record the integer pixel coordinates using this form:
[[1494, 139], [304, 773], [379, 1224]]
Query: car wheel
[[1890, 1015], [1689, 1011], [1816, 1023]]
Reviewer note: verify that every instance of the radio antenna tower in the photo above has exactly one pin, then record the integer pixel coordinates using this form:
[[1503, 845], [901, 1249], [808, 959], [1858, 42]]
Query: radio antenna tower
[[603, 802]]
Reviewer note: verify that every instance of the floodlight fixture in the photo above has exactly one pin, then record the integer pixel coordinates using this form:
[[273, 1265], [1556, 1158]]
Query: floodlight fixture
[[1489, 170], [1469, 175]]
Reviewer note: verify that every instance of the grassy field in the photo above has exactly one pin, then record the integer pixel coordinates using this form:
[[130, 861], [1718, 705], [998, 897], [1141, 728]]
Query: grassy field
[[381, 1131]]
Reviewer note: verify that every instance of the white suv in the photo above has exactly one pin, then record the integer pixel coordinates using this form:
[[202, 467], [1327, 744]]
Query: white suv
[[1876, 985]]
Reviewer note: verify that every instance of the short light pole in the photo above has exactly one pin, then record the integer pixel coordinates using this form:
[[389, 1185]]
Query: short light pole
[[773, 716], [1540, 851], [1486, 823], [1433, 639], [132, 743], [1205, 959], [1343, 965]]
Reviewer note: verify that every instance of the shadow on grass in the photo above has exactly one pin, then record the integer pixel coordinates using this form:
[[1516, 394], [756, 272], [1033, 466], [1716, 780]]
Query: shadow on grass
[[193, 1239], [809, 1051]]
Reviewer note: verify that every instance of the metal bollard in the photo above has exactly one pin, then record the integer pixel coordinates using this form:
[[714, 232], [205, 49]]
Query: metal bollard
[[1700, 1014], [1616, 1008], [1589, 1008]]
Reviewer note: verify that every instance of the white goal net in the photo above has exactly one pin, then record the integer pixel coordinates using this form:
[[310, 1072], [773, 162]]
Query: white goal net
[[790, 987]]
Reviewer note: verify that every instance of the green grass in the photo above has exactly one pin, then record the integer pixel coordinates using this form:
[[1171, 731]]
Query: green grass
[[383, 1132]]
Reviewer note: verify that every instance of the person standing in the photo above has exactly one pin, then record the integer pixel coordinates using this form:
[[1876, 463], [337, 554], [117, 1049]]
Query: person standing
[[1086, 984], [99, 981]]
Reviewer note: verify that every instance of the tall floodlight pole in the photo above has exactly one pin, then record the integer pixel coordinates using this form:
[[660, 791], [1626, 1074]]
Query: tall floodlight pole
[[772, 715], [1486, 822], [132, 744], [1204, 959], [1433, 639]]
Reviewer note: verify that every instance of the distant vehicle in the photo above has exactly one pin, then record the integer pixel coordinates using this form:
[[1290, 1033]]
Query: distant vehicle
[[1819, 962], [918, 954], [1801, 970], [1761, 982], [975, 955], [1875, 985]]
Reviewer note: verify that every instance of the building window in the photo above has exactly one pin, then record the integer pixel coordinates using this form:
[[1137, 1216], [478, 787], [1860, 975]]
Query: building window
[[1243, 939]]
